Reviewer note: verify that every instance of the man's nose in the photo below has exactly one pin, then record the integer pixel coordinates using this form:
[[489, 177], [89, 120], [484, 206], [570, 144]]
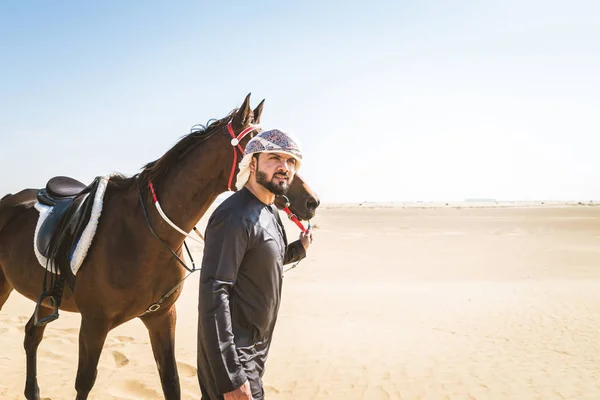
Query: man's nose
[[284, 165]]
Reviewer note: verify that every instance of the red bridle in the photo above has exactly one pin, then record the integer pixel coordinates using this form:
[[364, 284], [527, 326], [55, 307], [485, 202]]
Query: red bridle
[[235, 142]]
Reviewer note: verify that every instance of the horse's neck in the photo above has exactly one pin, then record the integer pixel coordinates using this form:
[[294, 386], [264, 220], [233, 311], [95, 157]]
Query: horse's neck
[[187, 193]]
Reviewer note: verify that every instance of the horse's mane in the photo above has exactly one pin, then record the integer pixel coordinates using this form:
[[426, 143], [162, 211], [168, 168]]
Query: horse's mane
[[157, 170]]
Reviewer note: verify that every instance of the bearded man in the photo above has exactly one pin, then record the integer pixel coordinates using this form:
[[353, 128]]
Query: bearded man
[[242, 269]]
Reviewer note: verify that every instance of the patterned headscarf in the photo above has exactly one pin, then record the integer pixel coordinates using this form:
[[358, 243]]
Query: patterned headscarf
[[272, 141]]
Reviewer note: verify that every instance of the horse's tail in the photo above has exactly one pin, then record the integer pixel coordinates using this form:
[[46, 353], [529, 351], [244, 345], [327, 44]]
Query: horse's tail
[[11, 204]]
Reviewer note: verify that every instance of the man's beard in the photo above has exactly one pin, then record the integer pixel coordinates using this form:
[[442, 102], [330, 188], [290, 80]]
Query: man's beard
[[276, 189]]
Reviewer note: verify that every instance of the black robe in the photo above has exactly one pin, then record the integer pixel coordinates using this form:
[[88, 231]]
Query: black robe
[[240, 292]]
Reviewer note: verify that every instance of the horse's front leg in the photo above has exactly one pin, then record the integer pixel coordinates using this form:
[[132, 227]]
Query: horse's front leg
[[92, 336], [161, 327], [33, 337]]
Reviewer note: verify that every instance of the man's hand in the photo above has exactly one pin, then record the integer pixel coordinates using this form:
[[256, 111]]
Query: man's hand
[[306, 238], [241, 393]]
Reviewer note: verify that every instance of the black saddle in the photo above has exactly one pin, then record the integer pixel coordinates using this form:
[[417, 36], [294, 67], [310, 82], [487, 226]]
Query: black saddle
[[72, 203], [62, 194], [58, 188], [54, 218]]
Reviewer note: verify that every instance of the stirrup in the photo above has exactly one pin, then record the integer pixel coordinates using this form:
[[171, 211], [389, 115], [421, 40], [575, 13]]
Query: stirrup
[[49, 318]]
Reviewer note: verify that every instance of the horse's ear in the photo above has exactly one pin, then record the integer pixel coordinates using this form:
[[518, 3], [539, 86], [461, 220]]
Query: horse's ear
[[244, 115], [258, 111]]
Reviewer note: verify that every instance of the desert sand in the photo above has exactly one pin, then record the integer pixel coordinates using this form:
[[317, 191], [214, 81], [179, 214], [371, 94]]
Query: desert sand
[[404, 302]]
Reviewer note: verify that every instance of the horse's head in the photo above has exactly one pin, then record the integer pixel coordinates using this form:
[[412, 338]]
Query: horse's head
[[303, 202]]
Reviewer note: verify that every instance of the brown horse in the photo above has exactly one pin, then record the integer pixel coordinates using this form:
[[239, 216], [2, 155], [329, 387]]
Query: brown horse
[[127, 268]]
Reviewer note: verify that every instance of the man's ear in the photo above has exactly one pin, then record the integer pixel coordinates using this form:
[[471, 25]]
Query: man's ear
[[253, 164]]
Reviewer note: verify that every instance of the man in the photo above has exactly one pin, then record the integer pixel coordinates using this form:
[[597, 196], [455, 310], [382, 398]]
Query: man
[[240, 282]]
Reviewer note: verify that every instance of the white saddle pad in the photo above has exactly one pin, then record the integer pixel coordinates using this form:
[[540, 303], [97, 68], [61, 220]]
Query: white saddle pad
[[87, 236]]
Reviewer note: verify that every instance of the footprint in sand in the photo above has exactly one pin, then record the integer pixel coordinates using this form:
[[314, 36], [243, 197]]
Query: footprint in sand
[[65, 336], [186, 370], [119, 341], [120, 359], [69, 333], [125, 339], [141, 391], [15, 323], [8, 328]]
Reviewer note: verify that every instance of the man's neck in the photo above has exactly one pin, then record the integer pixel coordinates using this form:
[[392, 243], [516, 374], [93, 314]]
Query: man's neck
[[260, 192]]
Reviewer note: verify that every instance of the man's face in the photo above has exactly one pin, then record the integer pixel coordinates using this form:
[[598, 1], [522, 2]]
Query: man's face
[[275, 172]]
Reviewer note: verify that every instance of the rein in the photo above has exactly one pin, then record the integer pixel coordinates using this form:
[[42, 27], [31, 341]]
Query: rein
[[235, 142], [164, 216], [156, 306], [193, 269]]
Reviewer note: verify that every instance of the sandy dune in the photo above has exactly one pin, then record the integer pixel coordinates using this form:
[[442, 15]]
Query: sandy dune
[[392, 302]]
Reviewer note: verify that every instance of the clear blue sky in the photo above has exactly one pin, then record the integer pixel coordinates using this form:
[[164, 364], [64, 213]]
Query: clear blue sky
[[393, 101]]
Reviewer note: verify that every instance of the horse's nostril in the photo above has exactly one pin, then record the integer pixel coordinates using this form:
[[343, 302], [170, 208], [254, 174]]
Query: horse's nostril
[[312, 203]]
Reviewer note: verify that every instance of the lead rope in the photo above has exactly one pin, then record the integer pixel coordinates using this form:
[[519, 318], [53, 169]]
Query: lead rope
[[297, 262], [294, 219]]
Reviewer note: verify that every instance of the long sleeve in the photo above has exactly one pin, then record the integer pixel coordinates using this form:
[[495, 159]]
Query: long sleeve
[[225, 246], [294, 252]]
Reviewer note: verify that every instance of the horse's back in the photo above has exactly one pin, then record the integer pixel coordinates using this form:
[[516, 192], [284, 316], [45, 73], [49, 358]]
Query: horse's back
[[11, 203], [24, 198]]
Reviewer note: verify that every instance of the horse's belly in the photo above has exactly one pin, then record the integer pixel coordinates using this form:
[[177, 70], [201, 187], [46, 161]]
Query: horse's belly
[[18, 260]]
